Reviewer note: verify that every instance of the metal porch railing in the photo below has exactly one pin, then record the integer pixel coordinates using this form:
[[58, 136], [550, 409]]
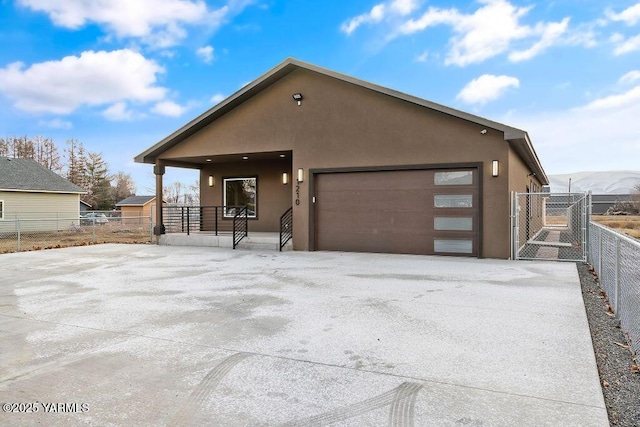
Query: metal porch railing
[[286, 227]]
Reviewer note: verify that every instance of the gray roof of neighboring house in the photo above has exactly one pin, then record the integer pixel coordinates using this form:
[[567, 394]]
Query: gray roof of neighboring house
[[29, 175], [517, 138], [136, 201]]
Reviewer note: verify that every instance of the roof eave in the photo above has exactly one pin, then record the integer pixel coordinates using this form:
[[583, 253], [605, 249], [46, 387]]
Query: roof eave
[[521, 143]]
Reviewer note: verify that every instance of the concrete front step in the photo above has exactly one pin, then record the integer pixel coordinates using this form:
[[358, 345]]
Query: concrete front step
[[258, 242]]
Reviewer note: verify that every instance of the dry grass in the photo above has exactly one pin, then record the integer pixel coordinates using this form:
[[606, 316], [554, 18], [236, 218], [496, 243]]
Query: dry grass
[[627, 224], [557, 220], [34, 241]]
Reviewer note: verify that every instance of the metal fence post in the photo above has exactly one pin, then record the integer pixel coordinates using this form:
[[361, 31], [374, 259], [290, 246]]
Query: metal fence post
[[600, 255], [18, 230], [151, 225], [188, 222], [93, 229], [617, 279]]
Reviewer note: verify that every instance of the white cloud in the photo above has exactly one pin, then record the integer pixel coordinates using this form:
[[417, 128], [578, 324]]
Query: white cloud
[[56, 124], [494, 28], [629, 16], [487, 32], [218, 97], [550, 33], [602, 135], [629, 98], [157, 22], [206, 53], [423, 56], [487, 88], [168, 108], [380, 12], [630, 77], [120, 112], [631, 44], [93, 78]]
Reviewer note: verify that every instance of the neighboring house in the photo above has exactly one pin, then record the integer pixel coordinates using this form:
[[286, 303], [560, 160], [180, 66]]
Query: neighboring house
[[41, 199], [364, 167], [84, 207], [135, 209]]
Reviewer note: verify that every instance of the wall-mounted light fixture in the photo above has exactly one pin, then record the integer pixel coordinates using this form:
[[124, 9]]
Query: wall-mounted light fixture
[[285, 178], [298, 98], [495, 168], [483, 132], [212, 181], [300, 175]]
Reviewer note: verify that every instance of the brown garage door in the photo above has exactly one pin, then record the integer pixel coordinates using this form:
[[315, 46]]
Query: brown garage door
[[409, 211]]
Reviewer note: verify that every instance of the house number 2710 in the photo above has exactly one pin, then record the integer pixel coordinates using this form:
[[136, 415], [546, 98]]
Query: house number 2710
[[297, 194]]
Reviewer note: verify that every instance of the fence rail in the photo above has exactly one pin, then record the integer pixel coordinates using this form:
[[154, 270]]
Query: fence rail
[[24, 234], [191, 219], [616, 259]]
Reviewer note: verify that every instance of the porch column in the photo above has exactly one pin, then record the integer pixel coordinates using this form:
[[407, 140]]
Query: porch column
[[158, 170]]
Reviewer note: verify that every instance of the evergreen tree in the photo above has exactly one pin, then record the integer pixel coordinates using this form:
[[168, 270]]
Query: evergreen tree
[[98, 182]]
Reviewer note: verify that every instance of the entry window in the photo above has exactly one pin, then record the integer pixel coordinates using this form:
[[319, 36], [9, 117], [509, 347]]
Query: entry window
[[453, 200], [240, 192], [453, 178], [1, 209], [453, 223], [454, 246]]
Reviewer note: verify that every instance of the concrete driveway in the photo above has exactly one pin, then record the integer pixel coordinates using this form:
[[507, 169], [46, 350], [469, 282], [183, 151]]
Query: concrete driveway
[[149, 335]]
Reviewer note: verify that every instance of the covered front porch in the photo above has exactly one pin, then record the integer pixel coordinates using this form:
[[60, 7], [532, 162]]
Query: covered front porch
[[240, 194]]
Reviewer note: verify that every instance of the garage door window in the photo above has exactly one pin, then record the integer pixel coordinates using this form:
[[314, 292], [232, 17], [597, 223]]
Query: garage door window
[[453, 178], [453, 224], [453, 246], [453, 201], [240, 192]]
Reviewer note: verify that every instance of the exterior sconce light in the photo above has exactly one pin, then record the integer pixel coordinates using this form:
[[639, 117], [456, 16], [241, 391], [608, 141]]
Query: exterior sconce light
[[212, 181], [300, 175], [298, 98], [495, 168], [285, 178]]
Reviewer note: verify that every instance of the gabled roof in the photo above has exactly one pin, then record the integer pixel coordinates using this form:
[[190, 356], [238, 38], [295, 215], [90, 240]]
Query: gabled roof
[[136, 201], [518, 139], [29, 175]]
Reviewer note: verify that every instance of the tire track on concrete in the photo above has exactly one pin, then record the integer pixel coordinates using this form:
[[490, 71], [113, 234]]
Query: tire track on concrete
[[204, 389], [401, 399], [402, 411]]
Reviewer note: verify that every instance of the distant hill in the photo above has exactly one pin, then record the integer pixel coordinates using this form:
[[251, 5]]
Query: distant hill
[[613, 182]]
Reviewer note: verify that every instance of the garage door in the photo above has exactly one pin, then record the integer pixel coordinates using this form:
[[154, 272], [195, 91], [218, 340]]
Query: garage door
[[409, 211]]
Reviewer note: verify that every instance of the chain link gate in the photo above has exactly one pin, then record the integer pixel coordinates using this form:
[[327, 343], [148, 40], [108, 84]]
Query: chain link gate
[[550, 226]]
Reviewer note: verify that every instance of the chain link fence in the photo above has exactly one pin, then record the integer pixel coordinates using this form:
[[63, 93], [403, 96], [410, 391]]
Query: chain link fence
[[26, 232], [616, 259], [550, 226]]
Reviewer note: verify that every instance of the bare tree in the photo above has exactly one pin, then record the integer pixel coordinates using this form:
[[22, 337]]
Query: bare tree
[[123, 186], [179, 194]]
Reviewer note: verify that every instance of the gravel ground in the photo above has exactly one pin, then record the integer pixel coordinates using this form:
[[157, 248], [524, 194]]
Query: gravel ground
[[617, 366]]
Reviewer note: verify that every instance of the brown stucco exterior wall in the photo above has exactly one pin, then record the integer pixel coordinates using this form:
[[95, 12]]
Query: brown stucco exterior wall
[[274, 197], [342, 125]]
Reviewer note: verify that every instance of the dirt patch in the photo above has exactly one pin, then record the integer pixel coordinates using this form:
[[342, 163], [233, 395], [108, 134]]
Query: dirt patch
[[80, 236]]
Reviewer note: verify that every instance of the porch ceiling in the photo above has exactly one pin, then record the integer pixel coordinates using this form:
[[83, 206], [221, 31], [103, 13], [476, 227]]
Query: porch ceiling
[[198, 162]]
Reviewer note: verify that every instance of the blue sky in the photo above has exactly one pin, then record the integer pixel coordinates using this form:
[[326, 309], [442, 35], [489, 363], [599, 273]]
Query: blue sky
[[119, 75]]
